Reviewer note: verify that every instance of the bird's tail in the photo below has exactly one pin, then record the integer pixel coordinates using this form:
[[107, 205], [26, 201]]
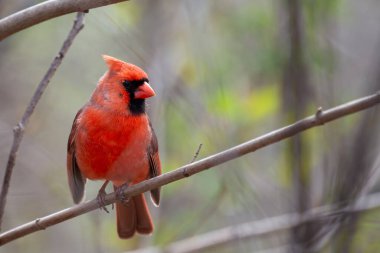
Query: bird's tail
[[133, 216]]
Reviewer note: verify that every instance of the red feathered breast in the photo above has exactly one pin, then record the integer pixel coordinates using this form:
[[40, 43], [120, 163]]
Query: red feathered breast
[[112, 146]]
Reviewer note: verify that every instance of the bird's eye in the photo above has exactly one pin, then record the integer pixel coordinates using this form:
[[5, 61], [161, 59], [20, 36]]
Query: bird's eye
[[134, 83], [125, 83]]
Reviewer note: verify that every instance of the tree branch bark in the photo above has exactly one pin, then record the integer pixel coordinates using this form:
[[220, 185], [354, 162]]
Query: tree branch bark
[[265, 227], [18, 130], [45, 11], [320, 118]]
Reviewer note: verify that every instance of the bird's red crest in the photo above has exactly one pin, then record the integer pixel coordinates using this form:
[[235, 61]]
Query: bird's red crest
[[113, 63], [123, 69]]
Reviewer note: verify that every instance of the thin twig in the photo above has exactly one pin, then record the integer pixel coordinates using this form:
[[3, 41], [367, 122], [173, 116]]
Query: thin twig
[[18, 130], [45, 11], [196, 153], [260, 228], [198, 166]]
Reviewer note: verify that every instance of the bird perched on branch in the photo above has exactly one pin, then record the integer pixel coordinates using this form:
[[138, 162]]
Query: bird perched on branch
[[112, 139]]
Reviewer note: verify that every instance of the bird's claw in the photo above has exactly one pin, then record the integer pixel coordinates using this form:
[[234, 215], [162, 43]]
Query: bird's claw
[[124, 199], [101, 201], [101, 197]]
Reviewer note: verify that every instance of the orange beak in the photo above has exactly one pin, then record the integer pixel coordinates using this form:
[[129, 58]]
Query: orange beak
[[144, 91]]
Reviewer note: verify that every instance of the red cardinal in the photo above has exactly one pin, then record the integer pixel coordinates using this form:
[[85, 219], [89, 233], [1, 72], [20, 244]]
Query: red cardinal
[[112, 139]]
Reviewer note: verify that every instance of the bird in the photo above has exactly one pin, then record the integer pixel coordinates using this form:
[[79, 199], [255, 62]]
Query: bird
[[112, 139]]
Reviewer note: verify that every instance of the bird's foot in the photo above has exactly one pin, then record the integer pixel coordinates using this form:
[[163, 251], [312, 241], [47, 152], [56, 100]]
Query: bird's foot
[[101, 197], [120, 193]]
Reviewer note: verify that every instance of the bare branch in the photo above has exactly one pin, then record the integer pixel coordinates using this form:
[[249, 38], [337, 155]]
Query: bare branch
[[196, 167], [261, 228], [196, 153], [44, 11], [19, 128]]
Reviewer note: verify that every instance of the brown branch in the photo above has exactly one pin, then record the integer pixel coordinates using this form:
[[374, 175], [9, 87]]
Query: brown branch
[[18, 130], [196, 153], [261, 228], [319, 118], [44, 11]]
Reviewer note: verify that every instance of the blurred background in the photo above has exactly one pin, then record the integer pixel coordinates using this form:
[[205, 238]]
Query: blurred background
[[224, 72]]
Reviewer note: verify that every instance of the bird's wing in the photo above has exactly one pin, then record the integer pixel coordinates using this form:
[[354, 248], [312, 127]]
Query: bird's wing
[[154, 165], [76, 179]]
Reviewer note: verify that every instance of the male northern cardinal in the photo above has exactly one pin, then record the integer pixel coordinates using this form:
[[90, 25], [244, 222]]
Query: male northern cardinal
[[112, 139]]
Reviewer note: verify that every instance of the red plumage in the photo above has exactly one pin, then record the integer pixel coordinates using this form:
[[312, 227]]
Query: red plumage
[[112, 139]]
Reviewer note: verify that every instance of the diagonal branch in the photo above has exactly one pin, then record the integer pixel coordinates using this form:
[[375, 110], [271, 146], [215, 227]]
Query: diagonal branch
[[45, 11], [320, 118], [18, 130], [265, 227]]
